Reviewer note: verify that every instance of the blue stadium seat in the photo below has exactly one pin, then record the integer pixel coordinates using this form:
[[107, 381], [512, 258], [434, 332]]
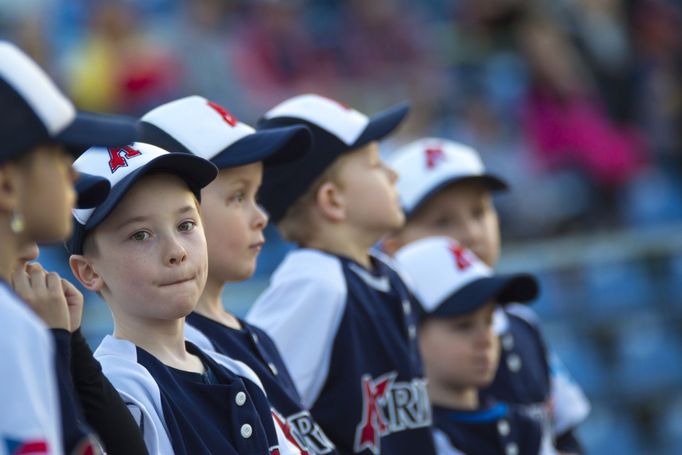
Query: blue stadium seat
[[608, 430], [616, 287]]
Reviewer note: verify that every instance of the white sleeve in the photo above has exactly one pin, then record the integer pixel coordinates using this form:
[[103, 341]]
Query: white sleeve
[[301, 311], [138, 390], [570, 406], [28, 388], [443, 445]]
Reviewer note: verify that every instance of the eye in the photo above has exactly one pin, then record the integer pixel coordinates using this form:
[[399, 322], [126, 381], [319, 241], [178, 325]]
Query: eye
[[238, 197], [141, 236], [186, 226], [442, 222]]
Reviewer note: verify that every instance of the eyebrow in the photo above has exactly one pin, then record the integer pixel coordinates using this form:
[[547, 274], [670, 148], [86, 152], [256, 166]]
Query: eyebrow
[[139, 219]]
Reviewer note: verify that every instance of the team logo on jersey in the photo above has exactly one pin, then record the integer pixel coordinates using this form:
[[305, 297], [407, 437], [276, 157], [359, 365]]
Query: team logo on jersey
[[26, 447], [302, 431], [434, 156], [119, 156], [224, 113], [389, 407]]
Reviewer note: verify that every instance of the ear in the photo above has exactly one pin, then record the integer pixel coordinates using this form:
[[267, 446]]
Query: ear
[[84, 271], [331, 202], [391, 243], [9, 191]]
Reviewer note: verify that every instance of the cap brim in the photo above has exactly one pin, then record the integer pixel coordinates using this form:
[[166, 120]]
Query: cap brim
[[503, 289], [272, 146], [195, 171], [492, 182], [382, 124], [97, 130], [92, 190]]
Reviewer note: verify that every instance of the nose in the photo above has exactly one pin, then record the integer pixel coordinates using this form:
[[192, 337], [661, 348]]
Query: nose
[[260, 218], [392, 174], [175, 252]]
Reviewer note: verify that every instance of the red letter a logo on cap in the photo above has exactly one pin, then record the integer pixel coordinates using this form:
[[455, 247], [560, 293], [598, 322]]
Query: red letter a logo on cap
[[229, 118], [460, 254], [434, 155], [119, 155]]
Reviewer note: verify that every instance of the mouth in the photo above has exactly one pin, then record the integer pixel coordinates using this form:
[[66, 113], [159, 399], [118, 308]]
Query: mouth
[[257, 246], [177, 282]]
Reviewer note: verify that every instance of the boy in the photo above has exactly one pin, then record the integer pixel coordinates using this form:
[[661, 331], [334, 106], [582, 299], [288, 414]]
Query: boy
[[457, 294], [143, 249], [36, 196], [234, 223], [341, 317], [445, 190]]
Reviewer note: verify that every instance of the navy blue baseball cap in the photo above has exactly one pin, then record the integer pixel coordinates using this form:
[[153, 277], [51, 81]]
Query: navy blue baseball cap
[[91, 190], [122, 167], [449, 280], [35, 112], [206, 129], [335, 129]]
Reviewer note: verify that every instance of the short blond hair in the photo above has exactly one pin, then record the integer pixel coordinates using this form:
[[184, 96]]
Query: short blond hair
[[298, 224]]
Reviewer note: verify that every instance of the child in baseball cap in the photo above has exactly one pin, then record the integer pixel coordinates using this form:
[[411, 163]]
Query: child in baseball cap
[[143, 250], [457, 295], [445, 189], [234, 223], [341, 317], [36, 198]]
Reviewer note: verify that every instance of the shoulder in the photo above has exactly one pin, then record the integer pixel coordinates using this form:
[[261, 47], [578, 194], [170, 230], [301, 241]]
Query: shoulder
[[310, 265], [523, 313]]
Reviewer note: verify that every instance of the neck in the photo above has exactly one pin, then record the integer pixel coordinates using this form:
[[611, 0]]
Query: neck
[[342, 242], [465, 398], [211, 304]]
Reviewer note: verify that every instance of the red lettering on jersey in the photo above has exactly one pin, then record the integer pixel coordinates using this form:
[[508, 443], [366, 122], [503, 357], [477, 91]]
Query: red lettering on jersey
[[460, 254], [224, 113], [373, 424], [286, 429], [119, 155], [434, 155], [36, 447]]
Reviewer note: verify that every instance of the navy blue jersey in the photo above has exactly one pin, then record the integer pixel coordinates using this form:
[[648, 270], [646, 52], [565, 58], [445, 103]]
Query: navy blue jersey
[[224, 411], [256, 349], [348, 337], [497, 429]]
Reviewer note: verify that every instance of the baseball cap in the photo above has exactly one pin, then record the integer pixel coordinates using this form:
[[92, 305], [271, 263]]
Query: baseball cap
[[122, 167], [204, 128], [36, 112], [91, 190], [335, 129], [449, 280], [428, 165]]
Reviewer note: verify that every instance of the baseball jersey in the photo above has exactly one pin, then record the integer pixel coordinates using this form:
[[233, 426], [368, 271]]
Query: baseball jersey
[[30, 419], [496, 429], [531, 377], [256, 349], [348, 337], [222, 411]]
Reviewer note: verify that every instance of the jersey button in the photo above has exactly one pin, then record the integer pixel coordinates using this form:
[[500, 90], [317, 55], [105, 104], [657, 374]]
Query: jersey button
[[273, 368], [512, 449], [508, 341], [503, 427], [514, 363], [412, 332], [407, 308], [246, 431], [255, 337], [240, 398]]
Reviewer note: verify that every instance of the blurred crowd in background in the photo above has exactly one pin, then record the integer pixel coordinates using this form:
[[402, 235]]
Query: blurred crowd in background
[[577, 103]]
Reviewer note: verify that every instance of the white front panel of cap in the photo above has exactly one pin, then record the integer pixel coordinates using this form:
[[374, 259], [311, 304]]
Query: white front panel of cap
[[424, 164], [114, 164], [30, 81], [438, 267], [204, 127], [342, 121]]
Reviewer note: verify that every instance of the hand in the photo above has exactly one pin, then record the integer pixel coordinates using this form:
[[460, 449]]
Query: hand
[[43, 293], [74, 302]]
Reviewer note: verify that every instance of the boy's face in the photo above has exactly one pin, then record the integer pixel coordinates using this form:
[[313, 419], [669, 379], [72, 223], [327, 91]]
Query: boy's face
[[150, 252], [463, 211], [368, 187], [48, 195], [233, 222], [462, 351]]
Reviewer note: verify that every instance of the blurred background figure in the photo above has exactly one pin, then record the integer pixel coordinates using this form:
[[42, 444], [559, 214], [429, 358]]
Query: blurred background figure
[[577, 103]]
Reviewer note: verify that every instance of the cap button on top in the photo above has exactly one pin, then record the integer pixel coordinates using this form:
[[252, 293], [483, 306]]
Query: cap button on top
[[246, 431], [240, 398]]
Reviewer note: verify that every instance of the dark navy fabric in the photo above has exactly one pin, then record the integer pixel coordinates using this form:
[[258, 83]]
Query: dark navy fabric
[[496, 429], [523, 375], [256, 349], [375, 379], [204, 416]]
